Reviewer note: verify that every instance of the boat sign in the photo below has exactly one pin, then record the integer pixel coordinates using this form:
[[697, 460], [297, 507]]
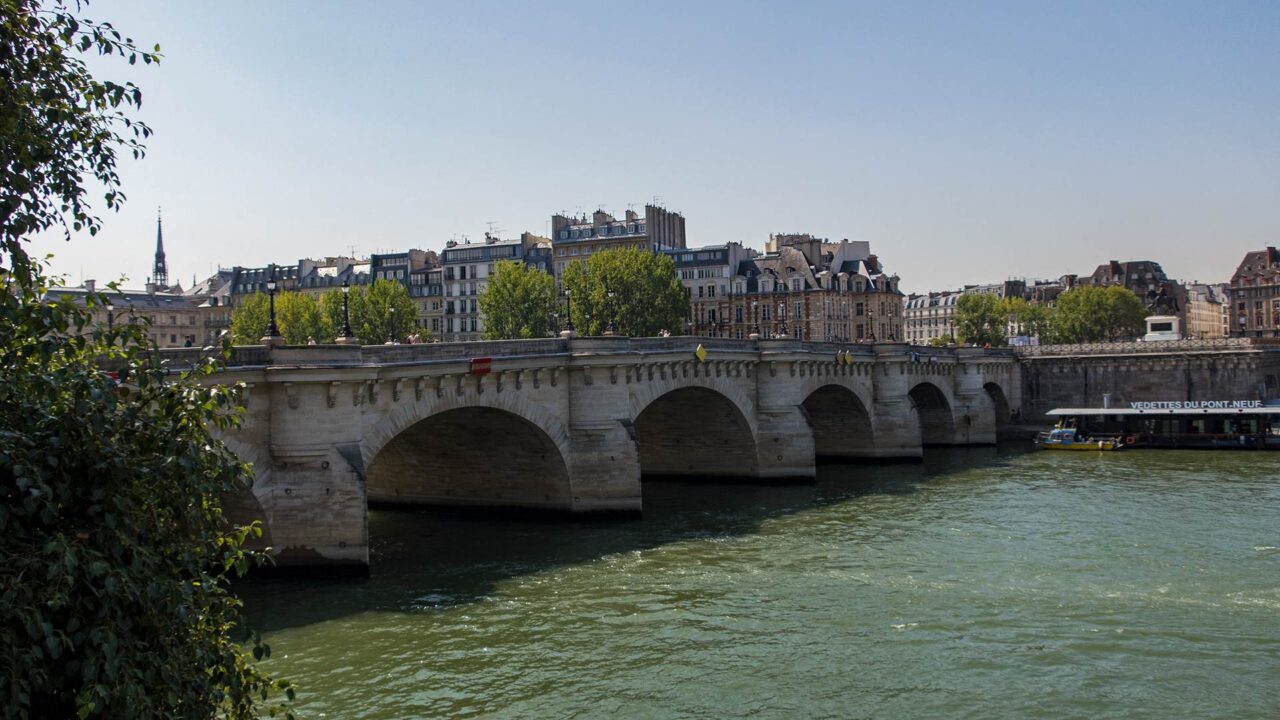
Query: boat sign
[[480, 366], [1197, 405]]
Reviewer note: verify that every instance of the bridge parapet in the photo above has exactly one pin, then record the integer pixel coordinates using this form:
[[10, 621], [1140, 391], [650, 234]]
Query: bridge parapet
[[1208, 345]]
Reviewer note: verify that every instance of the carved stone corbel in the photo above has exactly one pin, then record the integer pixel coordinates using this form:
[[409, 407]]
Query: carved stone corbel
[[461, 386], [519, 379], [396, 389], [587, 378], [373, 391], [332, 396], [537, 378], [555, 376], [440, 383], [613, 374], [291, 394], [418, 386]]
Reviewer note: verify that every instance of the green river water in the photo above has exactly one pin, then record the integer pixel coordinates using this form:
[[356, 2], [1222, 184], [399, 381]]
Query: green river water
[[983, 583]]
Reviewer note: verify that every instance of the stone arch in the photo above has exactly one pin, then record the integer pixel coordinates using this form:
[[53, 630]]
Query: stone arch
[[695, 431], [935, 414], [644, 394], [999, 403], [476, 455], [382, 429], [841, 423], [243, 505]]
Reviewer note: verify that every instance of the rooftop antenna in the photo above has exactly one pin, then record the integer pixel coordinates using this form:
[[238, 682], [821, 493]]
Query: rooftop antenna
[[631, 206], [579, 210], [657, 200], [492, 224]]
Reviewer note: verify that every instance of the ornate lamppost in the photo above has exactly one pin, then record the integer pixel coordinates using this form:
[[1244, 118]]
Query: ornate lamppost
[[346, 309], [391, 326], [755, 321], [111, 316], [612, 327], [272, 330], [568, 323]]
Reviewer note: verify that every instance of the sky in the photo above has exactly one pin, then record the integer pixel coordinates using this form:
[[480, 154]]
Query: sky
[[967, 142]]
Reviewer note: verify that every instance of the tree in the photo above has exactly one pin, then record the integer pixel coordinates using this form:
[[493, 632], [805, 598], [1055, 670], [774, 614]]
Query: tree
[[979, 320], [518, 302], [113, 597], [372, 319], [1028, 320], [369, 308], [639, 291], [300, 319], [1090, 314], [249, 320]]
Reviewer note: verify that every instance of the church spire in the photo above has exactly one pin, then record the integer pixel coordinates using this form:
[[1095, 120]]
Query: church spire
[[160, 273]]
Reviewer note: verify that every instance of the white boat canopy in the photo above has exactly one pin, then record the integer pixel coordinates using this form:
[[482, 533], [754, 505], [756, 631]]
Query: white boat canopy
[[1272, 410]]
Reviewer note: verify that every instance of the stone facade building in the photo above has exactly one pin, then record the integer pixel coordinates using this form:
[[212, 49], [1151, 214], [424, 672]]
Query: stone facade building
[[930, 317], [175, 321], [577, 238], [1206, 312], [466, 270], [1255, 294]]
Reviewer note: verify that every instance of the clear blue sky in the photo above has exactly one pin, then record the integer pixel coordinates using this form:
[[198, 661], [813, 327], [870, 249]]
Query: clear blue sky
[[968, 142]]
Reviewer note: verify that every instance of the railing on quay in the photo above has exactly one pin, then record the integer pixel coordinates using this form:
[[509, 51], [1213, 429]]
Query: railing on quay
[[1139, 347]]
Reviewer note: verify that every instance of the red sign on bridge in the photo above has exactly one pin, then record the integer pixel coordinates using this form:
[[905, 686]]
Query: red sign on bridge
[[480, 366]]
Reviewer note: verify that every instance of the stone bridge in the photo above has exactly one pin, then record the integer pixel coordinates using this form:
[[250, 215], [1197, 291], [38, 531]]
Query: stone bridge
[[571, 425]]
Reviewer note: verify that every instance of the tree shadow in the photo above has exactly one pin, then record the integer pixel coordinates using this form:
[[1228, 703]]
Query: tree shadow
[[425, 560]]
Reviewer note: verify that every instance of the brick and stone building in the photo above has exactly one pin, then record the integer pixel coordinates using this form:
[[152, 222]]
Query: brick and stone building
[[1255, 294], [1148, 281], [801, 287]]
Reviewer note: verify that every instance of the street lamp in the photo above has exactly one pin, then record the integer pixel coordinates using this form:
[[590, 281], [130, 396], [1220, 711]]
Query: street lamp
[[391, 326], [272, 330], [111, 316], [346, 310], [612, 327], [755, 321], [1241, 326], [568, 304]]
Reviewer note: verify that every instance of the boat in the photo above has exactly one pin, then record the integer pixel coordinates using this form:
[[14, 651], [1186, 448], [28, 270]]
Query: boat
[[1164, 424], [1067, 438]]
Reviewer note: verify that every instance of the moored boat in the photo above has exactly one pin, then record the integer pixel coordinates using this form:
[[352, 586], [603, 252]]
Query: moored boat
[[1071, 439]]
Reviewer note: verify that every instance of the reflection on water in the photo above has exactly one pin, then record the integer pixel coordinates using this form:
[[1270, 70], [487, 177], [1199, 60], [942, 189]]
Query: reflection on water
[[980, 583]]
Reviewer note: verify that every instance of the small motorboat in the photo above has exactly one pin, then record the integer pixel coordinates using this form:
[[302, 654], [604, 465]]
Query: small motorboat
[[1071, 439]]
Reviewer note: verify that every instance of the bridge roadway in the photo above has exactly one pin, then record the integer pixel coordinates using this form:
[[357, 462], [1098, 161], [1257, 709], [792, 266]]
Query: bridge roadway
[[571, 425]]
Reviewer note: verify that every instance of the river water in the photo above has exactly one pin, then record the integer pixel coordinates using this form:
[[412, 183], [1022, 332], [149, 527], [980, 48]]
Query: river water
[[983, 583]]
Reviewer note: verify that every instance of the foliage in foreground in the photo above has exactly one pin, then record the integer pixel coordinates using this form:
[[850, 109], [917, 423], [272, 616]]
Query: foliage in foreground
[[113, 599]]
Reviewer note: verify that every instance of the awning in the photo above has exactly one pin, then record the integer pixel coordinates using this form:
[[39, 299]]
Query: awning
[[1165, 411]]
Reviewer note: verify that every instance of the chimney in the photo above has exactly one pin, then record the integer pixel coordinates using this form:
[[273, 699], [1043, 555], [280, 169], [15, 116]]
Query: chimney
[[89, 285], [151, 288]]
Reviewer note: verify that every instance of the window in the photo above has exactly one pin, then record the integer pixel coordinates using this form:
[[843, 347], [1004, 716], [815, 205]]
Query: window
[[764, 313], [857, 310], [799, 310], [795, 284], [711, 291], [737, 314], [699, 291]]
